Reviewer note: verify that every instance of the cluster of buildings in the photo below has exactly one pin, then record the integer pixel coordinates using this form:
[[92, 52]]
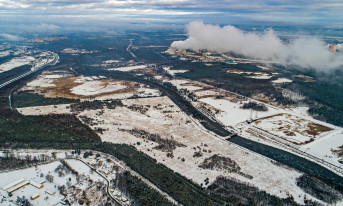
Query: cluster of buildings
[[120, 197], [22, 182]]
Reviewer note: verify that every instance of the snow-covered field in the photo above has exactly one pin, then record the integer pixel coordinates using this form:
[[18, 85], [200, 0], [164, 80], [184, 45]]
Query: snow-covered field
[[282, 80], [130, 68], [16, 62], [292, 128], [231, 114], [110, 61], [87, 87], [163, 118], [173, 72], [84, 169], [260, 75], [42, 81], [323, 147], [95, 88], [186, 84], [44, 110], [4, 53]]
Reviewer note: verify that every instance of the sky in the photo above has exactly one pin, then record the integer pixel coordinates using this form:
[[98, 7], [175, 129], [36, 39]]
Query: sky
[[54, 14]]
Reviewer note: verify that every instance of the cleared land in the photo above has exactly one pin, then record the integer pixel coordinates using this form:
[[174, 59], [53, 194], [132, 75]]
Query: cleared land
[[166, 134], [292, 128], [85, 87]]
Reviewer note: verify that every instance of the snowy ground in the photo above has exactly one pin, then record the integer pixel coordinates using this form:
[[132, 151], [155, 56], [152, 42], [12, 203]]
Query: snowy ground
[[87, 87], [4, 53], [130, 68], [44, 110], [202, 93], [110, 61], [85, 181], [173, 72], [40, 82], [16, 62], [34, 174], [231, 113], [96, 87], [323, 147], [186, 84], [260, 75], [282, 80], [165, 119], [292, 128]]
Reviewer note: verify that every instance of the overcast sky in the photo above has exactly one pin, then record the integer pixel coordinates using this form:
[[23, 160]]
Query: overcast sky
[[51, 14]]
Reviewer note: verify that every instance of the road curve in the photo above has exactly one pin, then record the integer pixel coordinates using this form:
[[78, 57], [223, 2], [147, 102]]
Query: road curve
[[53, 62]]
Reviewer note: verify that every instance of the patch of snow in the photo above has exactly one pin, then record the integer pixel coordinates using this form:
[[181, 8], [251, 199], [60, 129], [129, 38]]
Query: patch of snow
[[232, 114], [182, 84], [260, 75], [111, 61], [53, 76], [130, 68], [45, 110], [173, 72], [4, 53], [323, 146], [40, 82], [16, 62], [82, 168], [95, 88], [282, 80]]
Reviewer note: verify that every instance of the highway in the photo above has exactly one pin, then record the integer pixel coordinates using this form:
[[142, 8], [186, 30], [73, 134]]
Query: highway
[[53, 62], [128, 49]]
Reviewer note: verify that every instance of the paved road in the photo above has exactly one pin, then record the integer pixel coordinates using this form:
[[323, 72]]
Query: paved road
[[53, 62]]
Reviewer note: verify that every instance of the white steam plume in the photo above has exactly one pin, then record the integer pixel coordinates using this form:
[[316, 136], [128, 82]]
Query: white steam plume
[[304, 52]]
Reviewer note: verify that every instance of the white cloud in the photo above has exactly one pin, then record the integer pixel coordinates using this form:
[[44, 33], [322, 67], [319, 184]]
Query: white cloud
[[10, 37], [304, 52]]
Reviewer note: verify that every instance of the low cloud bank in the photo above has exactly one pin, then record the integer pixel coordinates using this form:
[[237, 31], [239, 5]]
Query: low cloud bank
[[10, 37], [304, 52]]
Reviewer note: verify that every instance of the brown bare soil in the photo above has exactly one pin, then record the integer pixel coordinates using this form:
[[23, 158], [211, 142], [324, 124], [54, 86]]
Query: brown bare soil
[[64, 85]]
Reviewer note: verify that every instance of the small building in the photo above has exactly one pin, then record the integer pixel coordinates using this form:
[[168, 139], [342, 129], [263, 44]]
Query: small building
[[35, 184], [15, 185], [12, 184], [50, 193], [35, 196]]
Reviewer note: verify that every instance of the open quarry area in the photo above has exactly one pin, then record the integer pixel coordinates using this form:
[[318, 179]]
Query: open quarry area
[[55, 177]]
